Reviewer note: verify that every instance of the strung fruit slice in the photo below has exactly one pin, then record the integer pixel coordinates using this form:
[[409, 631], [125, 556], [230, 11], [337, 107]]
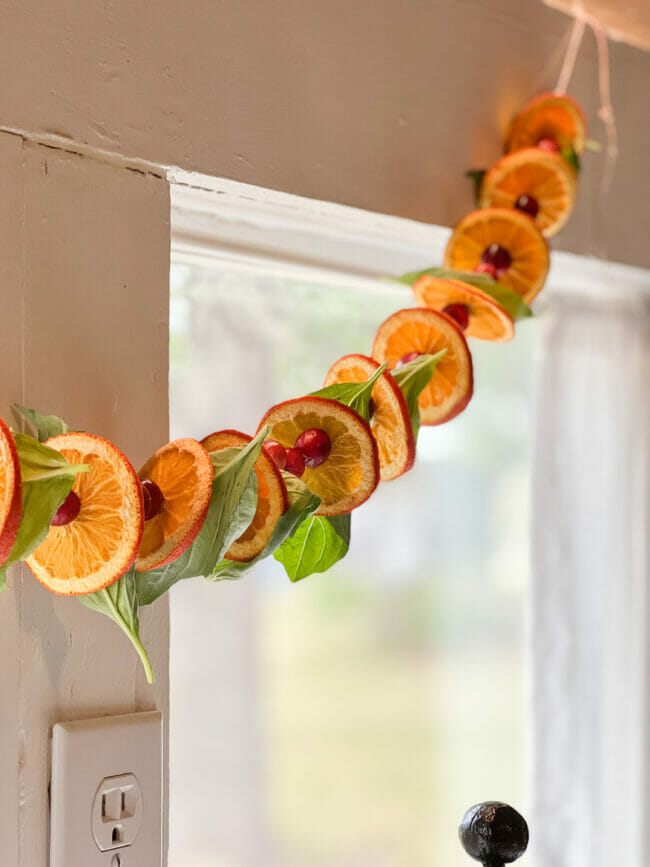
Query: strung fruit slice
[[549, 117], [178, 486], [11, 495], [541, 184], [350, 473], [99, 541], [389, 417], [507, 242], [272, 499], [416, 331], [485, 318]]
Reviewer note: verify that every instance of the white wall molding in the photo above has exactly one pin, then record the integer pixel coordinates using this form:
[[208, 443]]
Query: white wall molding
[[255, 227], [84, 268]]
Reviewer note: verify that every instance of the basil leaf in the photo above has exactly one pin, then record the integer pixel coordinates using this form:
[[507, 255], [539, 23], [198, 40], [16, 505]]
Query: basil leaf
[[476, 176], [231, 509], [356, 395], [47, 479], [317, 544], [46, 425], [41, 500], [413, 378], [119, 601], [571, 156], [511, 301], [302, 504], [38, 461]]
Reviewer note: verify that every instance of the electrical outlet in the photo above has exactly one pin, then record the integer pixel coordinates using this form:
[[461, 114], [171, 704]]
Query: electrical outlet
[[117, 812], [106, 792]]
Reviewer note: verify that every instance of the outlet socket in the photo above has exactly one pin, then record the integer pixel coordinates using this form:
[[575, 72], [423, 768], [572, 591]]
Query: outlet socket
[[106, 792]]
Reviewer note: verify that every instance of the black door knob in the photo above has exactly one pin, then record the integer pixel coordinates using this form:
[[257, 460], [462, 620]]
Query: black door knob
[[493, 833]]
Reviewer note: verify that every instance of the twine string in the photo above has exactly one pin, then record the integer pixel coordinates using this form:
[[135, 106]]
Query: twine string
[[605, 110]]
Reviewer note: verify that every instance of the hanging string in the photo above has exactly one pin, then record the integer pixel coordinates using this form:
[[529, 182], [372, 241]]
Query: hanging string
[[607, 116], [570, 56], [605, 111]]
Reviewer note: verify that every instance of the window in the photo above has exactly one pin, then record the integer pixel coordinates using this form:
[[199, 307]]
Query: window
[[349, 719]]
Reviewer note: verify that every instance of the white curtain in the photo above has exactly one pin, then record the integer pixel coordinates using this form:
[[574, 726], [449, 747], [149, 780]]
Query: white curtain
[[589, 633]]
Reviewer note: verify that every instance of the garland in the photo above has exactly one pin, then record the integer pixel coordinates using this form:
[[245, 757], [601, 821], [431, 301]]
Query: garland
[[301, 540]]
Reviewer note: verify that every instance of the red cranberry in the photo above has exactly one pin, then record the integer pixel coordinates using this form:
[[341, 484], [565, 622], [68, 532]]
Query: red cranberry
[[153, 499], [314, 445], [67, 511], [497, 256], [277, 452], [548, 144], [410, 356], [528, 205], [295, 463], [459, 313], [486, 268]]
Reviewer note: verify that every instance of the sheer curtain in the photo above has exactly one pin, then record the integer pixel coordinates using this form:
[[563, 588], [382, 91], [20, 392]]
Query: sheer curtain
[[588, 609]]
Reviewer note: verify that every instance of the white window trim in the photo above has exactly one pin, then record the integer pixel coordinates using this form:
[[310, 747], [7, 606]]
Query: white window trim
[[258, 226]]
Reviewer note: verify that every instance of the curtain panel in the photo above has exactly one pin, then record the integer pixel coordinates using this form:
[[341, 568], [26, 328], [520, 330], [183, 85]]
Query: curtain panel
[[588, 625]]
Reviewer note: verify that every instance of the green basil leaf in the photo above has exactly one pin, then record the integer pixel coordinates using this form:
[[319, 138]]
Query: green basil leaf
[[476, 176], [38, 461], [413, 378], [41, 500], [302, 504], [119, 601], [231, 510], [47, 478], [317, 544], [572, 157], [46, 425], [511, 301], [356, 395]]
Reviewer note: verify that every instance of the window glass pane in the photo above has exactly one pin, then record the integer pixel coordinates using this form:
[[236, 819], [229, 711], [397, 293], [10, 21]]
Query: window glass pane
[[348, 720]]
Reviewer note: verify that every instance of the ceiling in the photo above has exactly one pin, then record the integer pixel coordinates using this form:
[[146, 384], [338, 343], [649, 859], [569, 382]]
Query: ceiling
[[625, 20]]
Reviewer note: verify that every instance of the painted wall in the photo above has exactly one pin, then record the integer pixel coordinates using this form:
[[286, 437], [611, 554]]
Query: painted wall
[[84, 289], [382, 105]]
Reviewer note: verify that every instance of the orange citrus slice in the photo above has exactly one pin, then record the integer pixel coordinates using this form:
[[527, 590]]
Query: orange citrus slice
[[549, 116], [272, 499], [389, 416], [11, 495], [98, 545], [505, 239], [484, 317], [182, 473], [537, 182], [350, 473], [417, 331]]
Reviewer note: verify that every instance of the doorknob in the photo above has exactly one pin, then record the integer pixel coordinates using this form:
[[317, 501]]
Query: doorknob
[[493, 833]]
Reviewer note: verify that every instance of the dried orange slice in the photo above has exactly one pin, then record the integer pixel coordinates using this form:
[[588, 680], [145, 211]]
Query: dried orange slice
[[177, 481], [539, 183], [416, 331], [350, 473], [389, 416], [272, 499], [11, 495], [552, 116], [505, 240], [475, 312], [100, 541]]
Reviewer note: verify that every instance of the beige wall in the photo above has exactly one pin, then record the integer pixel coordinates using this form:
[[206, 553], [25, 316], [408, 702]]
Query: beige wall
[[84, 289], [381, 104]]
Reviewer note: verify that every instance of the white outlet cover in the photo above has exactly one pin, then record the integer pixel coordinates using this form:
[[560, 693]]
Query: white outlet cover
[[86, 754]]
